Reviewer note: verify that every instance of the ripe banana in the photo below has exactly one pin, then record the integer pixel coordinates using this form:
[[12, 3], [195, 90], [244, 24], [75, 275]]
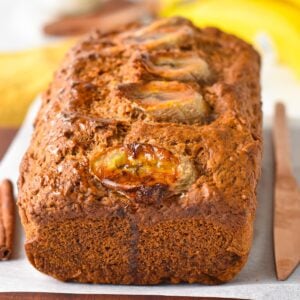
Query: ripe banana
[[23, 75]]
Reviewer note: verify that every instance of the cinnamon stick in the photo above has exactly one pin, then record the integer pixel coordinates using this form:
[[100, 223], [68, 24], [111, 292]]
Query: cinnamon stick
[[7, 219], [105, 20]]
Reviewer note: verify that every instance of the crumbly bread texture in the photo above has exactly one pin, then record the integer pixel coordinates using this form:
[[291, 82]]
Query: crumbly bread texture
[[145, 158]]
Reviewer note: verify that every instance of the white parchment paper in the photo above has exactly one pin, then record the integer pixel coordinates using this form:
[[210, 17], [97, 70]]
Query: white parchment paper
[[256, 281]]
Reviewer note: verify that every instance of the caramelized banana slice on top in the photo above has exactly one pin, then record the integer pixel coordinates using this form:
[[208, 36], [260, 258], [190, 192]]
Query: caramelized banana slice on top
[[167, 101], [184, 66], [166, 38], [163, 33], [142, 171], [161, 24]]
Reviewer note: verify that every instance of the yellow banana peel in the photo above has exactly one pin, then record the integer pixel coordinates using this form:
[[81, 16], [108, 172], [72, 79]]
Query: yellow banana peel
[[280, 20], [23, 75], [295, 2]]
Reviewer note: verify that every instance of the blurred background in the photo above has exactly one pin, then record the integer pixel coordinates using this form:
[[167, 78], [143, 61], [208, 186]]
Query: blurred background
[[35, 34]]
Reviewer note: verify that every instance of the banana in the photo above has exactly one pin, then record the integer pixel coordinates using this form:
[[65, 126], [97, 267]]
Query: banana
[[293, 2], [23, 75], [247, 18], [164, 33], [182, 66], [167, 101], [136, 169], [161, 24]]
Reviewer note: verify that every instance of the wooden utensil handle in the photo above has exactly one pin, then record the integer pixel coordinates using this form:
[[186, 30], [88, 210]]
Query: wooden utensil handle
[[281, 140]]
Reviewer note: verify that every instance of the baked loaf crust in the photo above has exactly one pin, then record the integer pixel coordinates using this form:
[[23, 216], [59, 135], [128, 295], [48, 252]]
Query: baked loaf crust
[[145, 158]]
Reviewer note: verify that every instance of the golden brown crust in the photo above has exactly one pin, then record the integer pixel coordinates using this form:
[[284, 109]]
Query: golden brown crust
[[79, 228]]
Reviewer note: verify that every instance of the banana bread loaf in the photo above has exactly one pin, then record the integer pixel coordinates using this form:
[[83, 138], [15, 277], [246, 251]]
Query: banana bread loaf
[[145, 158]]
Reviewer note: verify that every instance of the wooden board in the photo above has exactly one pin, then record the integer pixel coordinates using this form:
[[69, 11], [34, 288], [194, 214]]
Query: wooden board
[[52, 296], [6, 136]]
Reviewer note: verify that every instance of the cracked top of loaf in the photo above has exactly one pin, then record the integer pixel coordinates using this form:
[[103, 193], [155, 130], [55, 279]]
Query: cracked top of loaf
[[149, 118]]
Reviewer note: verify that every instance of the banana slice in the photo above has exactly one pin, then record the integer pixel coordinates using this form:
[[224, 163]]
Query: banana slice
[[184, 66], [163, 33], [162, 24], [142, 171], [166, 38], [167, 101]]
